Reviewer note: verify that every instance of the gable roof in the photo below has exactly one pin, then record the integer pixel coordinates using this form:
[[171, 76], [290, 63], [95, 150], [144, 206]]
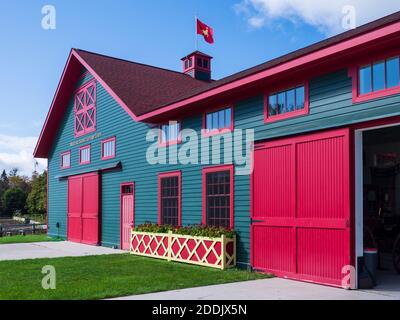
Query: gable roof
[[145, 91], [141, 87]]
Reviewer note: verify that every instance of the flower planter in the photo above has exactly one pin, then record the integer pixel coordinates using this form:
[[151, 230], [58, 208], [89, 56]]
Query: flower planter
[[211, 252]]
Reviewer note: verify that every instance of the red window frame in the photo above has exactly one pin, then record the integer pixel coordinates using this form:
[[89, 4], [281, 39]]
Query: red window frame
[[290, 114], [80, 154], [172, 174], [169, 143], [62, 162], [85, 108], [213, 132], [215, 169], [354, 74], [102, 148]]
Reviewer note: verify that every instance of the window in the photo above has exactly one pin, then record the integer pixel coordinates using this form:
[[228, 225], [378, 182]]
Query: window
[[188, 63], [287, 103], [85, 109], [84, 155], [169, 198], [202, 63], [376, 79], [127, 188], [218, 121], [380, 75], [66, 160], [218, 196], [170, 133], [108, 149]]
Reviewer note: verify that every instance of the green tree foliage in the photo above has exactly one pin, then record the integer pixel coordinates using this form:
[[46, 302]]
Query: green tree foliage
[[17, 181], [37, 199], [14, 199], [4, 185], [23, 194]]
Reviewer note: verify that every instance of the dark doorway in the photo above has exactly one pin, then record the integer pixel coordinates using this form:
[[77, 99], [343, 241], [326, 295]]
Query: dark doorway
[[381, 199]]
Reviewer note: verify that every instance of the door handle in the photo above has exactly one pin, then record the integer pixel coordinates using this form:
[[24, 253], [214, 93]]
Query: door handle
[[255, 221]]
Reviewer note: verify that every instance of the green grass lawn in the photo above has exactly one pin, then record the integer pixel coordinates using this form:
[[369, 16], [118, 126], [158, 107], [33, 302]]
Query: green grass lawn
[[97, 277], [25, 239]]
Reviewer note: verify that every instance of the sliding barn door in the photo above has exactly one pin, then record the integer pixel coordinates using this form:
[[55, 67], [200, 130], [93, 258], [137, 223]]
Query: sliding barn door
[[301, 207]]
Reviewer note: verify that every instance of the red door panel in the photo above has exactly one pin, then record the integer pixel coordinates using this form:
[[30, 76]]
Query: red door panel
[[301, 207], [274, 183], [269, 255], [83, 209], [90, 209], [322, 253], [319, 162], [74, 209]]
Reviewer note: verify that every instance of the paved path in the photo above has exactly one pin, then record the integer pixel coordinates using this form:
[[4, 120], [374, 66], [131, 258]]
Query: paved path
[[19, 251], [270, 289]]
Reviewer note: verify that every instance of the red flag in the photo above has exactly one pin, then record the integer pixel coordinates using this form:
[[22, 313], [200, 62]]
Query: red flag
[[206, 31]]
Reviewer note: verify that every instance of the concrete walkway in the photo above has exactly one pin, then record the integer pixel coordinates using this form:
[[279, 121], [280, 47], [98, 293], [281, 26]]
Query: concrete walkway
[[19, 251], [270, 289]]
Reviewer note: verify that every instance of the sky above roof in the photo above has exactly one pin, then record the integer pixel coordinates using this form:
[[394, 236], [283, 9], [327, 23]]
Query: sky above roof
[[247, 33]]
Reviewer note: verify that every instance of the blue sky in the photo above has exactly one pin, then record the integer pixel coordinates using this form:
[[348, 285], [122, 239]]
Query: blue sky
[[247, 32]]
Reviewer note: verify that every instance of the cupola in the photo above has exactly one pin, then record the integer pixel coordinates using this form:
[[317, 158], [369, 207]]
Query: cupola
[[197, 65]]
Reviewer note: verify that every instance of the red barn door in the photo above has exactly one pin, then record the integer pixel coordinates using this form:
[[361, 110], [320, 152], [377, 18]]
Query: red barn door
[[301, 207], [83, 209]]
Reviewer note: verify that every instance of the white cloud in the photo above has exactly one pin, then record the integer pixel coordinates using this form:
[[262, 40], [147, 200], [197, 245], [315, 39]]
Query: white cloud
[[326, 16], [16, 152], [256, 22]]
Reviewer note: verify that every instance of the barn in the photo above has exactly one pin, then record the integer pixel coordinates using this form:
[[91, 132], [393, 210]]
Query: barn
[[325, 157]]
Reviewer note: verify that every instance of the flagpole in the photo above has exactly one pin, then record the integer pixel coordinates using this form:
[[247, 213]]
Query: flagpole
[[196, 39]]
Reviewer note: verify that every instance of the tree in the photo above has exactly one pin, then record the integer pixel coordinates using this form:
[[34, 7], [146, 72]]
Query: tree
[[17, 181], [4, 185], [37, 198], [4, 177], [14, 199]]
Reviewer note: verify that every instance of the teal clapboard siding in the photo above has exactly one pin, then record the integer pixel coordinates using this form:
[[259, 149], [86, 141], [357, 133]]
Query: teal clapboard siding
[[330, 106]]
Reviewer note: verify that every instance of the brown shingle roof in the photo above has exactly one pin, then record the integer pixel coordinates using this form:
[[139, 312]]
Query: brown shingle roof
[[141, 87]]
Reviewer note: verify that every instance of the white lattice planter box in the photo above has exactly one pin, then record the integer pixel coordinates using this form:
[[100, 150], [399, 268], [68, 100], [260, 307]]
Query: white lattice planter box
[[211, 252]]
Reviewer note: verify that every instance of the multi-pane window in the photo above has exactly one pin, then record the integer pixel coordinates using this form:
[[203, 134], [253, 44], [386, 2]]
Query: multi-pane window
[[287, 101], [127, 189], [218, 196], [188, 63], [169, 193], [84, 155], [202, 63], [66, 160], [380, 75], [170, 133], [108, 148], [218, 120], [85, 109]]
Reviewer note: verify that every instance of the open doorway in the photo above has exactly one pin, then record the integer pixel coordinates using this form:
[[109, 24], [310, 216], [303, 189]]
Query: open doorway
[[379, 201]]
